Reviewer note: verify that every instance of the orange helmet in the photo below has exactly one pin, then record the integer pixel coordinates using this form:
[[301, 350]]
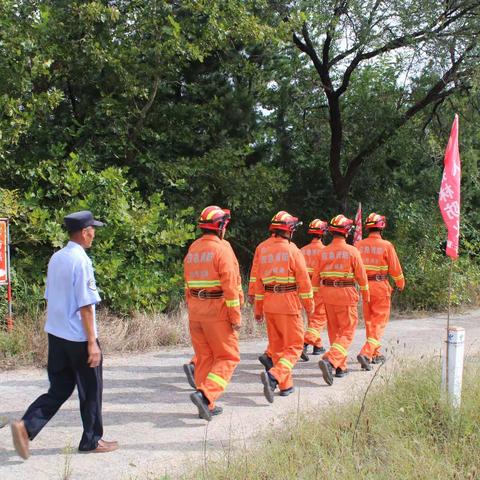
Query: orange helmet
[[340, 224], [375, 221], [214, 218], [285, 222], [317, 227]]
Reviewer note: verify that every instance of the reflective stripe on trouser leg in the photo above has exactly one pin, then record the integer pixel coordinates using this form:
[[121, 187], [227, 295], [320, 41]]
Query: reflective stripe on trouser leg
[[376, 314], [286, 341], [223, 354], [345, 319], [316, 323]]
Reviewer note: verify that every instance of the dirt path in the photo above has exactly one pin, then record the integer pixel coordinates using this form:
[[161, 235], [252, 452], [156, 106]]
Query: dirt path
[[147, 407]]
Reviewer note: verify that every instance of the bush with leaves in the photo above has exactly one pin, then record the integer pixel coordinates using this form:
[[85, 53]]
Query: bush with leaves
[[136, 256]]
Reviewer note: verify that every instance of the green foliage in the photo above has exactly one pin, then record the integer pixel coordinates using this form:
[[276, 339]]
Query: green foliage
[[427, 269], [145, 112], [135, 256]]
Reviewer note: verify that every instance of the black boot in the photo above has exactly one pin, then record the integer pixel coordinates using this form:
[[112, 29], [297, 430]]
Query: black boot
[[201, 402], [189, 369], [379, 359], [364, 362], [266, 361], [216, 410], [286, 392], [269, 385], [339, 373], [327, 371], [304, 355], [318, 350]]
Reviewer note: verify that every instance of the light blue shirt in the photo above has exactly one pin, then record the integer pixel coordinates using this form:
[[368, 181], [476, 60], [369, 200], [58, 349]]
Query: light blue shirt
[[70, 285]]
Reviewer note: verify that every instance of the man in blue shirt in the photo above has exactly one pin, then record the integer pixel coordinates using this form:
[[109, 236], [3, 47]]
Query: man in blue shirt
[[74, 355]]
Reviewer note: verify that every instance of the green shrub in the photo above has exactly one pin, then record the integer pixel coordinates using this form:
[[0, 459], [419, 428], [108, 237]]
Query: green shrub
[[419, 237], [136, 256]]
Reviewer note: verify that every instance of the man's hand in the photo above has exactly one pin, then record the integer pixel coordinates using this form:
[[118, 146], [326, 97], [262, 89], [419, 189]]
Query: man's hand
[[94, 354], [236, 327], [251, 299], [259, 318]]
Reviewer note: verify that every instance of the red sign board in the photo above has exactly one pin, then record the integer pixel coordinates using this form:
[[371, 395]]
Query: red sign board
[[3, 252]]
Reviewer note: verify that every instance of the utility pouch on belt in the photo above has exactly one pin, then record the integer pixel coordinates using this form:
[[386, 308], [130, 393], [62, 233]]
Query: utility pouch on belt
[[338, 283], [292, 287], [377, 277], [206, 294]]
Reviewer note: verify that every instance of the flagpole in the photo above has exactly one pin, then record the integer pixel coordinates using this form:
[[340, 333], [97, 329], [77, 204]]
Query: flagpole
[[449, 203], [448, 325]]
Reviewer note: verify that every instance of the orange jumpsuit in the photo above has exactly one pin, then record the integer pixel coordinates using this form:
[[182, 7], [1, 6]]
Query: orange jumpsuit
[[281, 266], [381, 260], [239, 281], [340, 264], [318, 320], [210, 266]]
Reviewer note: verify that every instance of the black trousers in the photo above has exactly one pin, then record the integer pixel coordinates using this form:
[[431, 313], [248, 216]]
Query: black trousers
[[67, 367]]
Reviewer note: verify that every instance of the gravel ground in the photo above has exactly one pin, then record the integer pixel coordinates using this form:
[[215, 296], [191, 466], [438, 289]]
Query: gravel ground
[[147, 407]]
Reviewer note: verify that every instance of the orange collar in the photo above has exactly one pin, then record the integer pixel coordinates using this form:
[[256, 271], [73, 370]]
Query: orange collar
[[339, 240], [210, 238]]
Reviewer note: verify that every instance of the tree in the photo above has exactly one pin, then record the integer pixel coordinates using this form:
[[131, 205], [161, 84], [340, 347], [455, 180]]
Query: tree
[[431, 44]]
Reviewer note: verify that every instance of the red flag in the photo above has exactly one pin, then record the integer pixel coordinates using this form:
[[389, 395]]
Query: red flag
[[358, 225], [449, 196]]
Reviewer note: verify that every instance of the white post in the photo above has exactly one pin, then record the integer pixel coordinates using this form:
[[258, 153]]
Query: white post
[[453, 365]]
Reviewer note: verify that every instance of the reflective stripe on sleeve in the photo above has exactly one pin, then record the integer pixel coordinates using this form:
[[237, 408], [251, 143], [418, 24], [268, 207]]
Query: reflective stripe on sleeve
[[285, 363], [306, 295], [218, 380], [400, 277], [364, 287], [315, 289], [232, 303], [253, 279], [340, 348], [259, 296], [309, 269]]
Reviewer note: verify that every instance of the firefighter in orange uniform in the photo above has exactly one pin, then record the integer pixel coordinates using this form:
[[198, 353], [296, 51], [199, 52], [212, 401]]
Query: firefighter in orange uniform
[[282, 286], [339, 267], [380, 260], [318, 320], [213, 301], [189, 368]]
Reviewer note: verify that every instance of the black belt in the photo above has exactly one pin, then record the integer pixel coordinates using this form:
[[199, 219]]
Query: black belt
[[378, 277], [277, 288], [338, 283], [203, 294]]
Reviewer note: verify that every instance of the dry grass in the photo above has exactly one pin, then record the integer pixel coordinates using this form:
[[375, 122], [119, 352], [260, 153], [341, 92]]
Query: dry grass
[[27, 345]]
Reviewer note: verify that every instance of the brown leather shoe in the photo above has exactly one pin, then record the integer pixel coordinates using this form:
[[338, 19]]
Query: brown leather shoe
[[105, 447], [106, 442], [20, 438]]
